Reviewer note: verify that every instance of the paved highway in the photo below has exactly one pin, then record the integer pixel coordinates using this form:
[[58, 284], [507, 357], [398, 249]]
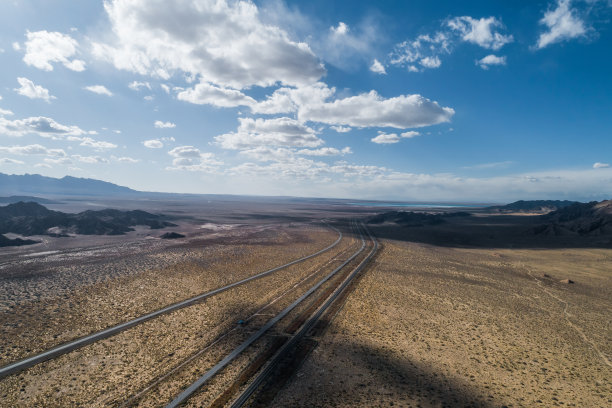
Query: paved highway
[[111, 331]]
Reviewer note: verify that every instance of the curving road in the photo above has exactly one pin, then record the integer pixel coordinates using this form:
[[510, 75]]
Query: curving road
[[111, 331]]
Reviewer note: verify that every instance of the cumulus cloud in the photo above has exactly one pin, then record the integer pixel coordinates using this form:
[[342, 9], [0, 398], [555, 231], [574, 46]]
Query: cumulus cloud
[[325, 151], [390, 138], [269, 132], [5, 112], [340, 29], [426, 50], [124, 159], [372, 110], [562, 24], [44, 48], [377, 67], [96, 144], [480, 31], [430, 62], [33, 149], [164, 125], [33, 91], [137, 85], [38, 125], [341, 129], [6, 160], [599, 165], [491, 59], [153, 144], [224, 42], [99, 89], [90, 159], [190, 158], [207, 94]]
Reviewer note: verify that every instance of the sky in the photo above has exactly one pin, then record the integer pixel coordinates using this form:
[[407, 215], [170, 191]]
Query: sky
[[447, 101]]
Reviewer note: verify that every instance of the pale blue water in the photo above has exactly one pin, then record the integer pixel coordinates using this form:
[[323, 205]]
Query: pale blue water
[[420, 205]]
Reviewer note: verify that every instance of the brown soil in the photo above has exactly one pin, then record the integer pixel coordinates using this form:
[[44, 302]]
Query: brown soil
[[430, 327]]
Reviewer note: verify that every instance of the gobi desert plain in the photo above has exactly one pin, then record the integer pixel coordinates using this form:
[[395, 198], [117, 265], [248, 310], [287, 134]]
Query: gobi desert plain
[[350, 304]]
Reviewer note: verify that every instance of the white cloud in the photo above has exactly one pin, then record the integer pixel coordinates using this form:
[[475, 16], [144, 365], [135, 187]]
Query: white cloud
[[480, 31], [279, 102], [269, 132], [190, 158], [5, 112], [424, 46], [6, 160], [99, 89], [166, 88], [491, 59], [96, 144], [60, 160], [562, 23], [377, 67], [224, 42], [386, 138], [33, 91], [38, 125], [426, 50], [430, 62], [34, 149], [44, 48], [341, 129], [599, 165], [390, 138], [340, 29], [325, 151], [90, 159], [164, 125], [493, 165], [207, 94], [153, 144], [16, 46], [124, 159], [372, 110], [137, 85]]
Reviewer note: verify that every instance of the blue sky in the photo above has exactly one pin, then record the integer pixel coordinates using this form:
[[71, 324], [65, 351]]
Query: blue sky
[[409, 100]]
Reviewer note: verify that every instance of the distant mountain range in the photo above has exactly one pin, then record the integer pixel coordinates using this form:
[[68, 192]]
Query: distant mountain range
[[28, 184], [16, 199], [35, 219]]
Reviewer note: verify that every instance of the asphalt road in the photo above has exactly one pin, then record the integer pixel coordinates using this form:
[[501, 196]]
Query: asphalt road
[[111, 331]]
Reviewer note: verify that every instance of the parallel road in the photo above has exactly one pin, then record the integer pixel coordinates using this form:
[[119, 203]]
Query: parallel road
[[111, 331], [186, 394], [275, 360]]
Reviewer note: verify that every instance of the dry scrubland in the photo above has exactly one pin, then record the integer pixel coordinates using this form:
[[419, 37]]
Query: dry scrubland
[[441, 327], [109, 371]]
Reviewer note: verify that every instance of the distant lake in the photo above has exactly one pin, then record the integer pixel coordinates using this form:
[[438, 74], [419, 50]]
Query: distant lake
[[420, 205]]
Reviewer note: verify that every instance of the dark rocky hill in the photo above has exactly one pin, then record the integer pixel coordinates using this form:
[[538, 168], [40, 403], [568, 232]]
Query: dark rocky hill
[[5, 242], [34, 219], [594, 218], [16, 199], [407, 218], [532, 206]]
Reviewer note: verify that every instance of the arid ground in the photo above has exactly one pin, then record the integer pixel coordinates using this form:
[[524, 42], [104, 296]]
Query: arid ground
[[467, 313]]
